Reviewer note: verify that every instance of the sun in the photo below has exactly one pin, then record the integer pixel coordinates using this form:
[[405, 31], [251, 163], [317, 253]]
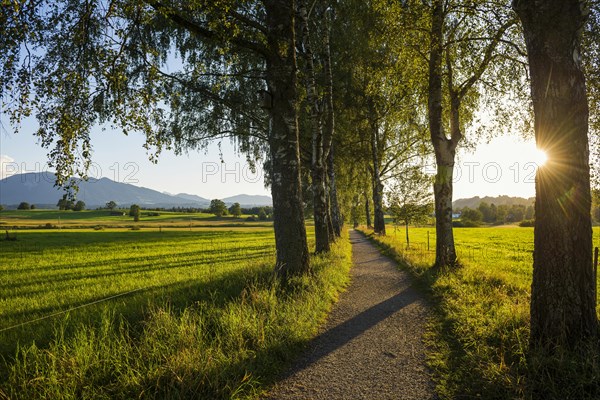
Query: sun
[[539, 157]]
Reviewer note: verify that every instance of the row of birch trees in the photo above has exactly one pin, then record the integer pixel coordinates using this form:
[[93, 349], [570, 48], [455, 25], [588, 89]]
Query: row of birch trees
[[340, 99]]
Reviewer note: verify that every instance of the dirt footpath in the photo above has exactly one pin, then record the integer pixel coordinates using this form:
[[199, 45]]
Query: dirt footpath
[[371, 345]]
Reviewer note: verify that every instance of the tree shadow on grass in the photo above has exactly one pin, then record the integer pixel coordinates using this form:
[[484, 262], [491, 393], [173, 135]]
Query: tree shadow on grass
[[133, 307]]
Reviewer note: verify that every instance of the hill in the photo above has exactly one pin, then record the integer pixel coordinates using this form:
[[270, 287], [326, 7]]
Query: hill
[[247, 200], [193, 198], [38, 189], [474, 202]]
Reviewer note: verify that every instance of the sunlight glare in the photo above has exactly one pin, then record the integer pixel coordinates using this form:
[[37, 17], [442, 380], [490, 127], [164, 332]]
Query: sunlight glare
[[539, 157]]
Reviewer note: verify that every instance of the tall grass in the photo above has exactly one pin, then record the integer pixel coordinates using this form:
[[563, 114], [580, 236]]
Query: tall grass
[[479, 340], [221, 347], [46, 272]]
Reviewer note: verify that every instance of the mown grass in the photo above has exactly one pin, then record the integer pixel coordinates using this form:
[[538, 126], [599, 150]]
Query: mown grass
[[196, 334], [479, 340]]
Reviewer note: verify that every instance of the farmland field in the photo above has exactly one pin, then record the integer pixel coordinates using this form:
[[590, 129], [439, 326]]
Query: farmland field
[[11, 219], [116, 313], [479, 340]]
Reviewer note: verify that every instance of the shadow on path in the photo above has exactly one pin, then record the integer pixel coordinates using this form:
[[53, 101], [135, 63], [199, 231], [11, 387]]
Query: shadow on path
[[341, 334], [370, 347]]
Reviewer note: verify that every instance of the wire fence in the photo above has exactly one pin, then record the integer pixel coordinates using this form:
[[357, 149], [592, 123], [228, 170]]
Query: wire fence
[[207, 256], [63, 312], [471, 250]]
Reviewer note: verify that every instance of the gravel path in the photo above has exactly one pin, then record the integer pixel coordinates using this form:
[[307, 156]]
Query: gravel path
[[370, 346]]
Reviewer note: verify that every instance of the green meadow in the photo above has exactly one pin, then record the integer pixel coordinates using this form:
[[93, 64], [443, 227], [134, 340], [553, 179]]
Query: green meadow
[[55, 219], [153, 313], [45, 272], [479, 336]]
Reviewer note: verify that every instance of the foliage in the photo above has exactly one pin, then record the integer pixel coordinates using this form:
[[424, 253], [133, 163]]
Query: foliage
[[24, 206], [134, 211], [111, 205], [108, 63], [469, 214], [235, 210], [410, 199], [255, 210], [465, 224], [217, 327], [184, 74], [262, 214], [504, 213], [217, 207], [79, 206], [479, 338], [527, 223], [65, 203], [380, 91]]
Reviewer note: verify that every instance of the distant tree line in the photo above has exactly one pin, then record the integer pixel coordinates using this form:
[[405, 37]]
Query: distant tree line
[[216, 207], [492, 214]]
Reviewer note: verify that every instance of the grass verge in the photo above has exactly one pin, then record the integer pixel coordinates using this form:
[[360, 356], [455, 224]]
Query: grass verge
[[217, 348], [479, 339]]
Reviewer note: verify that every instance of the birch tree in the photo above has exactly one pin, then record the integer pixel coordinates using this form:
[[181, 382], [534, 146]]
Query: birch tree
[[563, 306], [462, 40], [182, 73]]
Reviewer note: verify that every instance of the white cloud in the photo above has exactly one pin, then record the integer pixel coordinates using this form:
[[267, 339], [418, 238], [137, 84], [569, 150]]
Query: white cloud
[[8, 166]]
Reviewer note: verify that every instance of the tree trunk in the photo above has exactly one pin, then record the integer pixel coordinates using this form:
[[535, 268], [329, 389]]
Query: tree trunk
[[407, 240], [317, 164], [334, 210], [379, 221], [286, 188], [320, 210], [336, 218], [330, 229], [563, 309], [368, 211], [379, 226], [445, 252]]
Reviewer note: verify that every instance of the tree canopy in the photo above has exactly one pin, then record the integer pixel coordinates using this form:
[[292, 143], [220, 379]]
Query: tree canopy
[[217, 207]]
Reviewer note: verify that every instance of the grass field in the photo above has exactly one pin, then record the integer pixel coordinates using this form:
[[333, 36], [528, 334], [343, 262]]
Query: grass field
[[15, 219], [117, 313], [48, 271], [479, 338]]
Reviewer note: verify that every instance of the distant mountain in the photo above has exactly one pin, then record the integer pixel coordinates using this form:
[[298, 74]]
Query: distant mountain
[[193, 197], [249, 200], [38, 188], [474, 202]]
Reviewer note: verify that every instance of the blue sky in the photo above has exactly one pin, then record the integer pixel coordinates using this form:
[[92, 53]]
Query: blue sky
[[122, 158], [503, 166]]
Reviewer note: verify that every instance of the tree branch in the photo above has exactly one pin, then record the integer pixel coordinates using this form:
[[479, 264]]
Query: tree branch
[[487, 58], [203, 32]]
